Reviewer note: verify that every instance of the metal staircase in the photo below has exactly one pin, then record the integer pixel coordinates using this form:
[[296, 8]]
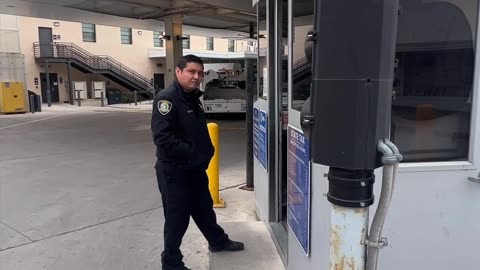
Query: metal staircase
[[86, 62], [302, 71]]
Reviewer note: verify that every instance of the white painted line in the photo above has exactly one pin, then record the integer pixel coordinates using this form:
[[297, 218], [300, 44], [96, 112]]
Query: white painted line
[[29, 122]]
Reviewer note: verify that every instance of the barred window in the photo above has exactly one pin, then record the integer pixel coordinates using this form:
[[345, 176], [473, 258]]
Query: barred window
[[126, 34], [157, 40], [231, 45], [186, 41], [210, 43], [88, 32]]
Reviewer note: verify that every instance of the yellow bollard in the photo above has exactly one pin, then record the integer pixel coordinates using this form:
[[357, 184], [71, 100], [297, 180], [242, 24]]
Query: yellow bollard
[[213, 168]]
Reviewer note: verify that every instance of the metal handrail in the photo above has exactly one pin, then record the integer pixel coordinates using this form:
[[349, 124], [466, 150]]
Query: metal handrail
[[97, 62]]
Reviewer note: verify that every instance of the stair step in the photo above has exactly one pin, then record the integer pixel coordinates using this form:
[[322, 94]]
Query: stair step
[[260, 251]]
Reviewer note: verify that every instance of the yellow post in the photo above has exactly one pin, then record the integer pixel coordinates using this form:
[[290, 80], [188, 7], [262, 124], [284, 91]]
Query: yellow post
[[213, 167]]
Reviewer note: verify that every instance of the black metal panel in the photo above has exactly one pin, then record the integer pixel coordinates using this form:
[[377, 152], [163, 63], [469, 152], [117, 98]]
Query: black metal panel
[[353, 57]]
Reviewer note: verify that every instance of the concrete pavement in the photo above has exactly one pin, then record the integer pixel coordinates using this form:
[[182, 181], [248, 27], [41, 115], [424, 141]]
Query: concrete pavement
[[77, 190]]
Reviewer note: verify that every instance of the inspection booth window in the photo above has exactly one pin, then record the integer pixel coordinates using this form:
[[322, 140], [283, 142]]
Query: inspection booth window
[[210, 43], [231, 45], [302, 16], [433, 80], [88, 32], [126, 34], [433, 77], [186, 42], [157, 39]]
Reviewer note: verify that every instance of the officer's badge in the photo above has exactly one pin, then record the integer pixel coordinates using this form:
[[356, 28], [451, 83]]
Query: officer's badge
[[164, 106]]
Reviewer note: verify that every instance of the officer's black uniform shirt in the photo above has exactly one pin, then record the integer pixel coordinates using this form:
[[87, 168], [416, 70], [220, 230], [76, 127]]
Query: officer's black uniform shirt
[[180, 130]]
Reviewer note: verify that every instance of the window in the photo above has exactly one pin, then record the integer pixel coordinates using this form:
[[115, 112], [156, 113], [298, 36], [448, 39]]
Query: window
[[301, 68], [433, 80], [88, 32], [210, 43], [126, 34], [186, 41], [231, 45], [157, 40]]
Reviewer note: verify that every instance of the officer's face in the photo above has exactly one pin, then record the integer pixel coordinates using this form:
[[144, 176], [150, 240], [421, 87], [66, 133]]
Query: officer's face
[[190, 77]]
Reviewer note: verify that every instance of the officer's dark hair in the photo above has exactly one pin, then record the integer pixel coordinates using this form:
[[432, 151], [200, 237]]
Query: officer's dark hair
[[189, 58]]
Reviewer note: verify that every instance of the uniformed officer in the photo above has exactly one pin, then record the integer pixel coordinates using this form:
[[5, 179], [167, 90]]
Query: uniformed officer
[[184, 150]]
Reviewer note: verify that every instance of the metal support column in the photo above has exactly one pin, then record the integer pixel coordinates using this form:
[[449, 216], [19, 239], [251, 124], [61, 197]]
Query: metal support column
[[351, 193], [70, 84], [48, 89], [249, 68]]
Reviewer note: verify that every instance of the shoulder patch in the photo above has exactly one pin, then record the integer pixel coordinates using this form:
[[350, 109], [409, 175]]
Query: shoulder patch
[[164, 106]]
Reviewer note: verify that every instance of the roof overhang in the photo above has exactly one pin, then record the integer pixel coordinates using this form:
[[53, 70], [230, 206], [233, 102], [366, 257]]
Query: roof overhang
[[161, 53], [141, 14]]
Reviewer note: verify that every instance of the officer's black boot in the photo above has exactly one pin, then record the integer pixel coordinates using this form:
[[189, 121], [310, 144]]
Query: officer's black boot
[[229, 246]]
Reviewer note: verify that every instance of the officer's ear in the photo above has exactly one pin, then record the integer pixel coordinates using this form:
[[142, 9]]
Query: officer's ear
[[178, 71]]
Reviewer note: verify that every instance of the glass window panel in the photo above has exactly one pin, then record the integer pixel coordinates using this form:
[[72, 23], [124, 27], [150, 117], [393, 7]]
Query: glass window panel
[[157, 41], [302, 13], [433, 83], [210, 43], [88, 32], [186, 42], [231, 45], [126, 34]]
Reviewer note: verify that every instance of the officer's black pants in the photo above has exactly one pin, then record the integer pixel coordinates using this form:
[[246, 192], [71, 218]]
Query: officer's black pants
[[184, 194]]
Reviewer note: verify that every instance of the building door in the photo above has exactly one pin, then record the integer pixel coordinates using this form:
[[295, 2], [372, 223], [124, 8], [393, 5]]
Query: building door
[[435, 124], [159, 81], [45, 40], [53, 87]]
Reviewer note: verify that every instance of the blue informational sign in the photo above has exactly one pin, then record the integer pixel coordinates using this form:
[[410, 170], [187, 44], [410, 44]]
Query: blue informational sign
[[262, 140], [298, 186], [256, 120]]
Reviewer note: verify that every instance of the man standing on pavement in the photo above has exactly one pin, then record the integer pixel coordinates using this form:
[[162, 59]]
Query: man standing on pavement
[[184, 150]]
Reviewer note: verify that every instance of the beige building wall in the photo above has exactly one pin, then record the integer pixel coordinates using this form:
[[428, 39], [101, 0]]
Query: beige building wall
[[9, 42], [108, 42], [198, 43]]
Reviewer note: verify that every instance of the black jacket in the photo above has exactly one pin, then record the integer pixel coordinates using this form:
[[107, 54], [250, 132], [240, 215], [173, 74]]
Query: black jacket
[[180, 130]]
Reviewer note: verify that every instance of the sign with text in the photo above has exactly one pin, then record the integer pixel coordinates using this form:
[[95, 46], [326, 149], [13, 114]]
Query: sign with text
[[263, 140], [298, 186]]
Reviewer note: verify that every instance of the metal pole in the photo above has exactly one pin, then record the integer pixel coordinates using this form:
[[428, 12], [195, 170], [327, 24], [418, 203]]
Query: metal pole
[[79, 99], [31, 100], [49, 92], [347, 231], [135, 97], [249, 124], [102, 102], [213, 167], [70, 84], [351, 193]]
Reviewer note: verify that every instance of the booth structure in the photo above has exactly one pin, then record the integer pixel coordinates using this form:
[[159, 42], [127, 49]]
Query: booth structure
[[434, 212]]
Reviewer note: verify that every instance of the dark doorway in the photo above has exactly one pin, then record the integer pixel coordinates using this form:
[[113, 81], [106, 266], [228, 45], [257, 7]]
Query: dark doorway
[[46, 41], [53, 87], [159, 81]]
